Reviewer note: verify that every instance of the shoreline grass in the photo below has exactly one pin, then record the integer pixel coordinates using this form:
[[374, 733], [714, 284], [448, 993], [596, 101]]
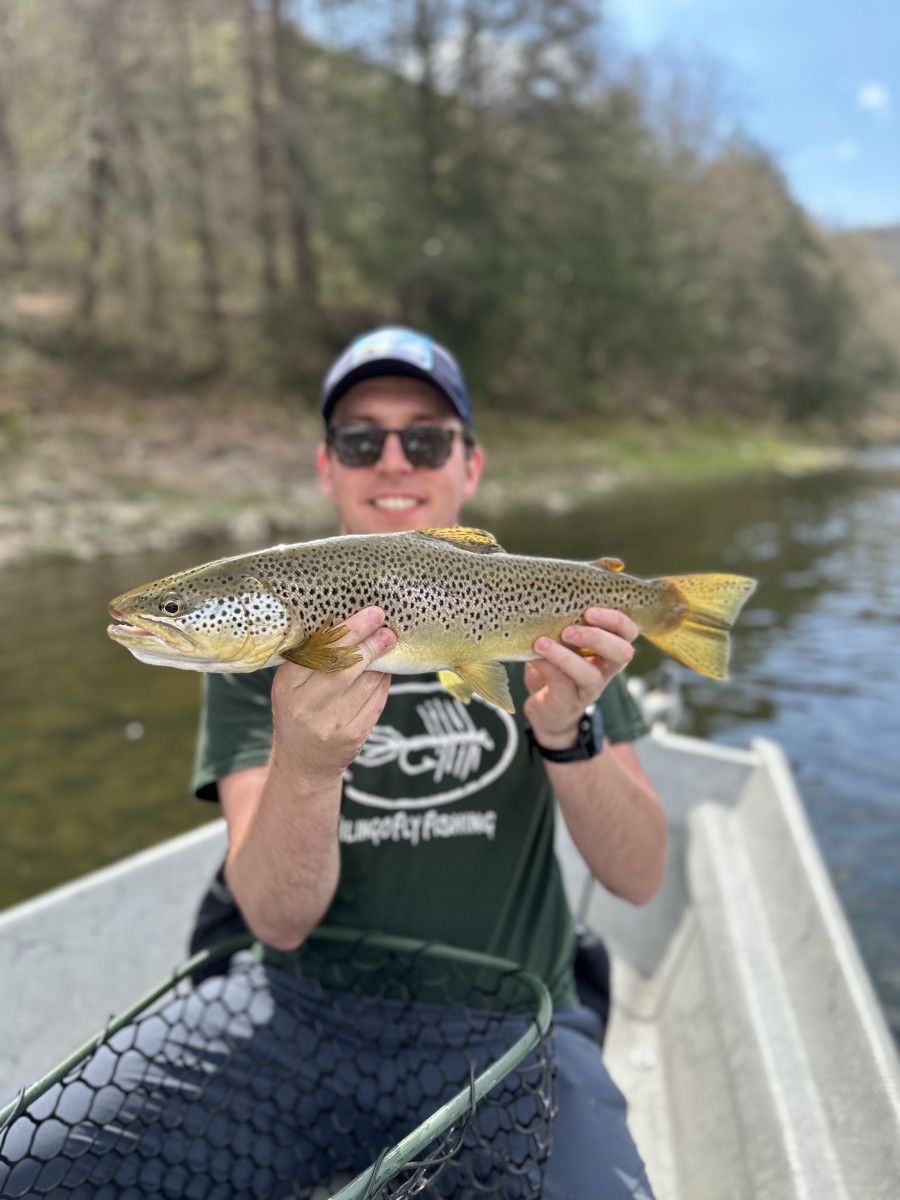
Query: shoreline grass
[[102, 470]]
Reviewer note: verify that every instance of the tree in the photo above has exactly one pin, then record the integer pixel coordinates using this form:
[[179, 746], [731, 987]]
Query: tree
[[287, 52], [9, 155], [197, 179], [261, 150], [100, 22]]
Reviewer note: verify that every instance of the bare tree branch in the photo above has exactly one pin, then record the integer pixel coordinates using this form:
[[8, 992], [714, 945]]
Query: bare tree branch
[[9, 156]]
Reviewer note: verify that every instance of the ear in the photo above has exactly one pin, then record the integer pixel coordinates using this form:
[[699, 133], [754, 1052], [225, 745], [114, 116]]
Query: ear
[[323, 466], [474, 467]]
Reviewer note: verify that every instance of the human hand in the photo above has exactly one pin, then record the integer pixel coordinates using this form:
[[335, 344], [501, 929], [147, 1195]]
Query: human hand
[[322, 720], [562, 684]]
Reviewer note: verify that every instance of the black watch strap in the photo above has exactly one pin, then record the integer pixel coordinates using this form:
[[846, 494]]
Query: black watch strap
[[588, 744]]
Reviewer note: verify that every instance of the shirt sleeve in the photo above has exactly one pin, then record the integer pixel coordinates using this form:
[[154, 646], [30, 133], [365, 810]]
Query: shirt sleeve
[[235, 728], [622, 717]]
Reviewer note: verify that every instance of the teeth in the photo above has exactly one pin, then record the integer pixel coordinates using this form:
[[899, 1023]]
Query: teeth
[[395, 503]]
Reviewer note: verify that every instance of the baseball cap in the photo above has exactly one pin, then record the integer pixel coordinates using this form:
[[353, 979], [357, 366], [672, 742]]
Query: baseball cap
[[396, 350]]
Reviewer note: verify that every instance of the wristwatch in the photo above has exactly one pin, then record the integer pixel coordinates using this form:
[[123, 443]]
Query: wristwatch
[[588, 744]]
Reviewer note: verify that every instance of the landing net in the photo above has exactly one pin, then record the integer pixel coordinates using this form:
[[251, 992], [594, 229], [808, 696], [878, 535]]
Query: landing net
[[357, 1067]]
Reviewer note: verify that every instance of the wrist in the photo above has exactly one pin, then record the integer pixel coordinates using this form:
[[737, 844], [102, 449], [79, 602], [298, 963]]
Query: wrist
[[298, 776], [585, 743], [563, 739]]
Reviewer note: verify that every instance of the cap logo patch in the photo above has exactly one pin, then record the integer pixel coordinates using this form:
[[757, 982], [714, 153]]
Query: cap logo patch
[[394, 343]]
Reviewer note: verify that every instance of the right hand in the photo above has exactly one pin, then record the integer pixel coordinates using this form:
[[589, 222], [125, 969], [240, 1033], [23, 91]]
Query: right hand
[[321, 721]]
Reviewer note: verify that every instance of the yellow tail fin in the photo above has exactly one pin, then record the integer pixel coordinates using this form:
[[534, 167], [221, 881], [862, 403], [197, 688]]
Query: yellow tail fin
[[709, 607]]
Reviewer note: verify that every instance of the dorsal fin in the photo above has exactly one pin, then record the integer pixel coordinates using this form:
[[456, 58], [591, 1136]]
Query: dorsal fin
[[478, 541], [611, 564]]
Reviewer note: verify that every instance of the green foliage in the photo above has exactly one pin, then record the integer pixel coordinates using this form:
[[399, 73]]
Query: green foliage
[[482, 170]]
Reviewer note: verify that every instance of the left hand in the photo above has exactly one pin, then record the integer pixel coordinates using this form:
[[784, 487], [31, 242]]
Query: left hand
[[563, 684]]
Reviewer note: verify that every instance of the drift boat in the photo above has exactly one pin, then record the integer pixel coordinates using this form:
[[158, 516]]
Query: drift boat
[[744, 1028]]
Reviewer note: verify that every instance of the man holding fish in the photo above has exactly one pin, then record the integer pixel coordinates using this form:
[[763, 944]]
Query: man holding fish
[[323, 826], [421, 806]]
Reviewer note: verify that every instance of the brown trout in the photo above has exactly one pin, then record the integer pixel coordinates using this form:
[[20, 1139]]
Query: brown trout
[[458, 603]]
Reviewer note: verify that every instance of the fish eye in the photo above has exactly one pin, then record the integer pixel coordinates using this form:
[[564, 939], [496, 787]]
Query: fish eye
[[172, 606]]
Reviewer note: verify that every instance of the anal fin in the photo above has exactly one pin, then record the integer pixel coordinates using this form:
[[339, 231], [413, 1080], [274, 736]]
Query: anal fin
[[458, 688], [320, 654], [489, 680]]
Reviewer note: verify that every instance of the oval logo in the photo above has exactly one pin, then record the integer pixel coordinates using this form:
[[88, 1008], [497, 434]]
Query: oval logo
[[451, 750]]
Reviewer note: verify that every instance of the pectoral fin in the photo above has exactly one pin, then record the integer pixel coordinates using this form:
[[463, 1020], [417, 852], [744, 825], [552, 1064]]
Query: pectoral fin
[[318, 652], [458, 688], [489, 680]]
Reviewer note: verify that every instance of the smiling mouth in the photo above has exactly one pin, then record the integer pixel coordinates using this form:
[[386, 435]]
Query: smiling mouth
[[395, 503]]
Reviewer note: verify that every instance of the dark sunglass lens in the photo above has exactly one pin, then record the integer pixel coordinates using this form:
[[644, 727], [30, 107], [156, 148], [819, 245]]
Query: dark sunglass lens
[[358, 447], [427, 445], [362, 446]]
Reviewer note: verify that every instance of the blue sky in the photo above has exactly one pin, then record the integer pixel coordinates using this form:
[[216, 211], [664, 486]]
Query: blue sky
[[816, 83]]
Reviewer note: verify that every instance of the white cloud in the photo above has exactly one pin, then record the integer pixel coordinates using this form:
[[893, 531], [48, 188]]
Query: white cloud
[[873, 97]]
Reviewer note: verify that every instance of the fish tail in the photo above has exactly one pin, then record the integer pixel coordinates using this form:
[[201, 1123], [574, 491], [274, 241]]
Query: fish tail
[[696, 619]]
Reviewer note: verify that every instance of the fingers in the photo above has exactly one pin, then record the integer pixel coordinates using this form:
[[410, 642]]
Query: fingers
[[364, 630], [604, 642], [607, 636], [609, 622], [563, 683], [321, 720]]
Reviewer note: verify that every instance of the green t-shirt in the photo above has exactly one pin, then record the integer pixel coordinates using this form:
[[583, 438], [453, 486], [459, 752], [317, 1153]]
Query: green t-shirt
[[446, 824]]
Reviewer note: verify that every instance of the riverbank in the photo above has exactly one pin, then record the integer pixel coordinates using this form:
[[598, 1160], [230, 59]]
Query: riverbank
[[94, 469]]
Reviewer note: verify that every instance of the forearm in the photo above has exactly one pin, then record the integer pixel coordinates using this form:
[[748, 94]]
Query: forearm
[[610, 807], [616, 820], [284, 859], [283, 863]]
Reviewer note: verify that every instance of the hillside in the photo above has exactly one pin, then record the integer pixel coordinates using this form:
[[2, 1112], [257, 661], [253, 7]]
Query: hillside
[[885, 245], [205, 192]]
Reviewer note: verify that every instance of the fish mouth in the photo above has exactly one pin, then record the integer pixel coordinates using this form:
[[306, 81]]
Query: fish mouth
[[124, 631], [167, 645]]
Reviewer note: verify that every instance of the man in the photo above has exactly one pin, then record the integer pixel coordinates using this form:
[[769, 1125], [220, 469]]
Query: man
[[245, 1086], [301, 762]]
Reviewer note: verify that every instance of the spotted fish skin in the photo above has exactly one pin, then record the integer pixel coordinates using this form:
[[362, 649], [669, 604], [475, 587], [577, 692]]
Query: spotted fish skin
[[458, 603]]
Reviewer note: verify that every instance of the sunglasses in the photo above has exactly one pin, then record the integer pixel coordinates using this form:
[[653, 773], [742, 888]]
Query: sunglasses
[[424, 445]]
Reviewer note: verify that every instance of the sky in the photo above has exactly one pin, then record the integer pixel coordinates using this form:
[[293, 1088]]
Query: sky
[[816, 82]]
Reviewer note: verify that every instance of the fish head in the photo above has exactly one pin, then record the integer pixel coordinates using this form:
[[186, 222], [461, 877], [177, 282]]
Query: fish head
[[216, 618]]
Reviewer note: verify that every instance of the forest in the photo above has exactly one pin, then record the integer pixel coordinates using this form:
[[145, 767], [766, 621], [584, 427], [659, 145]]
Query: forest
[[205, 189]]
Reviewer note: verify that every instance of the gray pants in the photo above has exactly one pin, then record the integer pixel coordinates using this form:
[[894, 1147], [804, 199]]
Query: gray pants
[[248, 1088]]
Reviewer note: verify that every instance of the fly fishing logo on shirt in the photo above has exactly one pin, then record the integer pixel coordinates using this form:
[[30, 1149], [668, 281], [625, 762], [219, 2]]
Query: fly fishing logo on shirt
[[444, 751]]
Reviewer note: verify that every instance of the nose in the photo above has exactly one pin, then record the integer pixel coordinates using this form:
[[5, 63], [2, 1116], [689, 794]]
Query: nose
[[393, 456]]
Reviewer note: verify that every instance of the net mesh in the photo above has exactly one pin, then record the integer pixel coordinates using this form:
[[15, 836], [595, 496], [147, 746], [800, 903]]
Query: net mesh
[[356, 1067]]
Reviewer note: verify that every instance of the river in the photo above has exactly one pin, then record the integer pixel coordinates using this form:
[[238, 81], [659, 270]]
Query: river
[[96, 747]]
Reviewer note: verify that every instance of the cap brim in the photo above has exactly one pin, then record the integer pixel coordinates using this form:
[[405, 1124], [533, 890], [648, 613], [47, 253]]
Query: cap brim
[[385, 366]]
